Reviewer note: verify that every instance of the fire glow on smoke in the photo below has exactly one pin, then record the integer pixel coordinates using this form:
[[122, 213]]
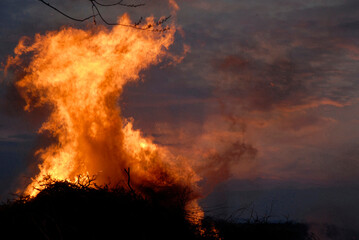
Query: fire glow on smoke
[[80, 74]]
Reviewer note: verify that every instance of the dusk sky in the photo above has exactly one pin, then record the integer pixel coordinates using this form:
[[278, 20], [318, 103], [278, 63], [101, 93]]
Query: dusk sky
[[266, 97]]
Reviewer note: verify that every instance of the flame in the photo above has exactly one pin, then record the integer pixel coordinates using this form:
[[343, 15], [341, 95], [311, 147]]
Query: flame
[[80, 74]]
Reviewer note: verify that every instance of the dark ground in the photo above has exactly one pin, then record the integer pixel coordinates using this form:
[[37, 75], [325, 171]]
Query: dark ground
[[63, 210]]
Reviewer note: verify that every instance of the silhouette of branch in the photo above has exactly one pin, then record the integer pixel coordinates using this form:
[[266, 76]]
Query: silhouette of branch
[[127, 171], [104, 20], [119, 3], [136, 25], [149, 27], [85, 182], [72, 18]]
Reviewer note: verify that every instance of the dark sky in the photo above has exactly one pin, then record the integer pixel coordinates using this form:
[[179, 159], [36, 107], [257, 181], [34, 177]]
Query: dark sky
[[274, 78]]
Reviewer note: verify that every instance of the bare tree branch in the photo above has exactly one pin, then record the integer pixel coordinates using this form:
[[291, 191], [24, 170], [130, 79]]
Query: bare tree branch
[[136, 25], [72, 18], [119, 3], [108, 23]]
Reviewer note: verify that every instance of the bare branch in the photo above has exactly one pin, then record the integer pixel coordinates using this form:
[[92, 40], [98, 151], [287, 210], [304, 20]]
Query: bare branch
[[119, 4], [72, 18], [104, 20], [136, 25], [162, 20], [127, 171], [139, 21], [149, 27]]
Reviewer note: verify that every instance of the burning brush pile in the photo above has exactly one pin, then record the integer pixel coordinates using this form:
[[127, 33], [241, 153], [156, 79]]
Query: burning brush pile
[[79, 75], [83, 210]]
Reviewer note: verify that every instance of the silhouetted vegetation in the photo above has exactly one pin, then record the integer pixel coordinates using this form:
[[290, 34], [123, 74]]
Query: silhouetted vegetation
[[83, 210], [260, 230]]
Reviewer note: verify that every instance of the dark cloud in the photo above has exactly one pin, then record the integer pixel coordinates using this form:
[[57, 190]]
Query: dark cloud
[[23, 137], [261, 86], [295, 58], [299, 121], [232, 63], [290, 81]]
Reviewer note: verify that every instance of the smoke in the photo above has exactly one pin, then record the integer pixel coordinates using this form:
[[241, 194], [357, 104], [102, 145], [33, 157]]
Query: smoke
[[221, 165]]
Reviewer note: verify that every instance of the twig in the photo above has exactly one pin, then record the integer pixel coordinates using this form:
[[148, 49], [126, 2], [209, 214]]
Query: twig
[[127, 171], [72, 18], [149, 27], [118, 3]]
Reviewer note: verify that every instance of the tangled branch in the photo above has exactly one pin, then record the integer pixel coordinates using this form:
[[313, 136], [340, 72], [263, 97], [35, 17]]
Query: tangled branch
[[158, 27]]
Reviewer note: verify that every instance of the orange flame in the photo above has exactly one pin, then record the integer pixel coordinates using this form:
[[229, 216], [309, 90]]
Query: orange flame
[[80, 75]]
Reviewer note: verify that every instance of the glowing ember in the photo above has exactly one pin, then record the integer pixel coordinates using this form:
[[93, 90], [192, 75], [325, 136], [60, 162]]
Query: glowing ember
[[80, 74]]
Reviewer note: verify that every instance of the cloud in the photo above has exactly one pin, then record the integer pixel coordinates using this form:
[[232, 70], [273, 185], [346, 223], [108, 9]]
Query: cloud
[[261, 86]]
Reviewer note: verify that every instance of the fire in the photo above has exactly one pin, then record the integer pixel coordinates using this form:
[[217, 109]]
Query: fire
[[80, 74]]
